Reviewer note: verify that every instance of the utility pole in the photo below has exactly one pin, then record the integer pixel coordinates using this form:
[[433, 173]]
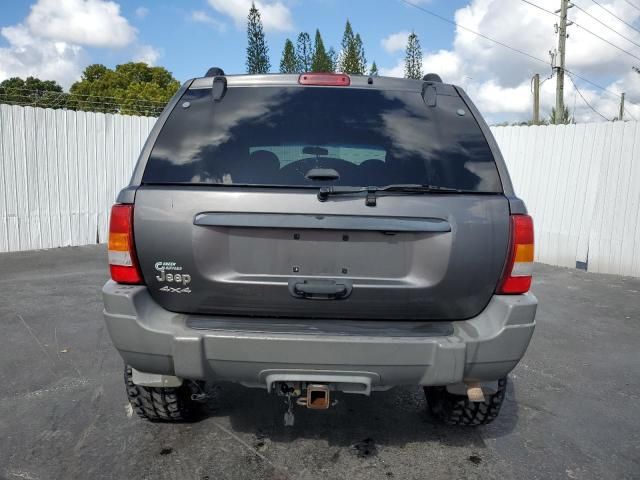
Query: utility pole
[[621, 116], [536, 99], [562, 39]]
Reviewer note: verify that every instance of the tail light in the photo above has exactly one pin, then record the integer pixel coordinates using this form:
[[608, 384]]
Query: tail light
[[123, 263], [516, 277]]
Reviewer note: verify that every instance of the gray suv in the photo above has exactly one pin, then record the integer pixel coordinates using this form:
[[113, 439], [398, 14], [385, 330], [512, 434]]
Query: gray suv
[[320, 233]]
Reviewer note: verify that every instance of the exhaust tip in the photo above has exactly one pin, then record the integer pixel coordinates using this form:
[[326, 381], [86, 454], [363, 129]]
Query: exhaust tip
[[474, 392]]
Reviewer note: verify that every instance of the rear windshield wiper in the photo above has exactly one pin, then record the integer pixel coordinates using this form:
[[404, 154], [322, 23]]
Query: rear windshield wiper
[[410, 189]]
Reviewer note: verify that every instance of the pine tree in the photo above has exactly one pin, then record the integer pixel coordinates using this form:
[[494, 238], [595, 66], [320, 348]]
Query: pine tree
[[413, 58], [374, 70], [289, 62], [333, 56], [349, 60], [257, 50], [347, 37], [320, 62], [303, 52], [565, 119], [362, 60]]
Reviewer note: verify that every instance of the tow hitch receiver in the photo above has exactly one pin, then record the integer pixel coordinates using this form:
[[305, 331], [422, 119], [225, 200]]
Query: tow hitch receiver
[[317, 397]]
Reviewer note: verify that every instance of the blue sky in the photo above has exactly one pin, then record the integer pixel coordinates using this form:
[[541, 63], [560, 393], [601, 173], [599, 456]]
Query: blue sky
[[189, 47], [56, 39]]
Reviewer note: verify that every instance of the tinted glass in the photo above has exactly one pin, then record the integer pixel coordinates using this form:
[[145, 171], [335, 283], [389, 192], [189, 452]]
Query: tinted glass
[[276, 135]]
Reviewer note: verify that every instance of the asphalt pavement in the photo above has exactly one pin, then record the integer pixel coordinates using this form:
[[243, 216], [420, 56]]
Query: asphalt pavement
[[572, 408]]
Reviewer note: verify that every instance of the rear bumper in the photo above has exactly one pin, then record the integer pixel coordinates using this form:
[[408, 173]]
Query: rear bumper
[[254, 351]]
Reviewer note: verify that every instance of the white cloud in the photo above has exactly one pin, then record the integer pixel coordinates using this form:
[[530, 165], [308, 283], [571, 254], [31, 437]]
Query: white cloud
[[49, 43], [395, 42], [445, 63], [491, 98], [147, 54], [47, 60], [142, 12], [498, 79], [275, 15], [201, 16], [96, 23]]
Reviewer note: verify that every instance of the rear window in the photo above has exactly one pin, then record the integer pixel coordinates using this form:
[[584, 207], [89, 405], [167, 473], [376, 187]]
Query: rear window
[[276, 135]]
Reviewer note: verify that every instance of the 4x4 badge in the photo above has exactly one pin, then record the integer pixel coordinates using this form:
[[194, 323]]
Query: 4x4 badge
[[173, 274], [169, 289]]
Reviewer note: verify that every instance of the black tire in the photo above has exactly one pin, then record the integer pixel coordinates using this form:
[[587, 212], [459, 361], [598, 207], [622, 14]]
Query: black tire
[[454, 409], [159, 404]]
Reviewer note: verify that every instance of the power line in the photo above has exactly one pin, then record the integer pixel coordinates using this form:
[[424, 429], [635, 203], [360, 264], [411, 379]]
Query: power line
[[617, 95], [604, 24], [42, 94], [585, 100], [61, 100], [589, 31], [445, 19], [614, 15], [629, 113], [541, 8], [418, 7], [634, 6]]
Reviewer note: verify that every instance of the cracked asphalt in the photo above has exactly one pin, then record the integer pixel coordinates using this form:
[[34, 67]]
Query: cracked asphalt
[[572, 408]]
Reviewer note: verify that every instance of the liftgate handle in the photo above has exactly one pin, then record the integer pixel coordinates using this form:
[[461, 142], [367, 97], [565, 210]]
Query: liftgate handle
[[325, 290]]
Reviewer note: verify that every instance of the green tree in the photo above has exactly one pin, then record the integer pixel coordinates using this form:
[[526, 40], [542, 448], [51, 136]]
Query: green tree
[[350, 55], [564, 119], [347, 36], [413, 58], [257, 50], [94, 72], [362, 60], [374, 70], [333, 56], [132, 88], [33, 92], [303, 52], [289, 62], [321, 61]]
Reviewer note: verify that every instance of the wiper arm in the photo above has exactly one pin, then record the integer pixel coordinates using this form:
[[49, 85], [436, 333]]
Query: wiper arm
[[325, 192], [409, 188], [417, 188]]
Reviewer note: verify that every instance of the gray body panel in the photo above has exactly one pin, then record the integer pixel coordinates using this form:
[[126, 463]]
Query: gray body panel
[[154, 340], [431, 275]]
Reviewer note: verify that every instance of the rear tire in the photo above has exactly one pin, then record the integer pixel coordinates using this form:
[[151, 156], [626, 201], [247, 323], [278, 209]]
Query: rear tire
[[454, 409], [159, 404]]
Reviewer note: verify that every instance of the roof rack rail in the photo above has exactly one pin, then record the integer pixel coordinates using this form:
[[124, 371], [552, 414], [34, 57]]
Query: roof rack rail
[[214, 72], [432, 77]]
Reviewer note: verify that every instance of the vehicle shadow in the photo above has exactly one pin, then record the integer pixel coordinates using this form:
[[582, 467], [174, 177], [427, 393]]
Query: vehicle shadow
[[395, 417]]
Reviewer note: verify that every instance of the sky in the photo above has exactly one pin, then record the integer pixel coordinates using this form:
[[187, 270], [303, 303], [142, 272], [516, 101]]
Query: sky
[[56, 39]]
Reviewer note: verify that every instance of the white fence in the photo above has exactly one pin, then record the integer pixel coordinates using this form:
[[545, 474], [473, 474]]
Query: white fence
[[61, 170], [581, 183]]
